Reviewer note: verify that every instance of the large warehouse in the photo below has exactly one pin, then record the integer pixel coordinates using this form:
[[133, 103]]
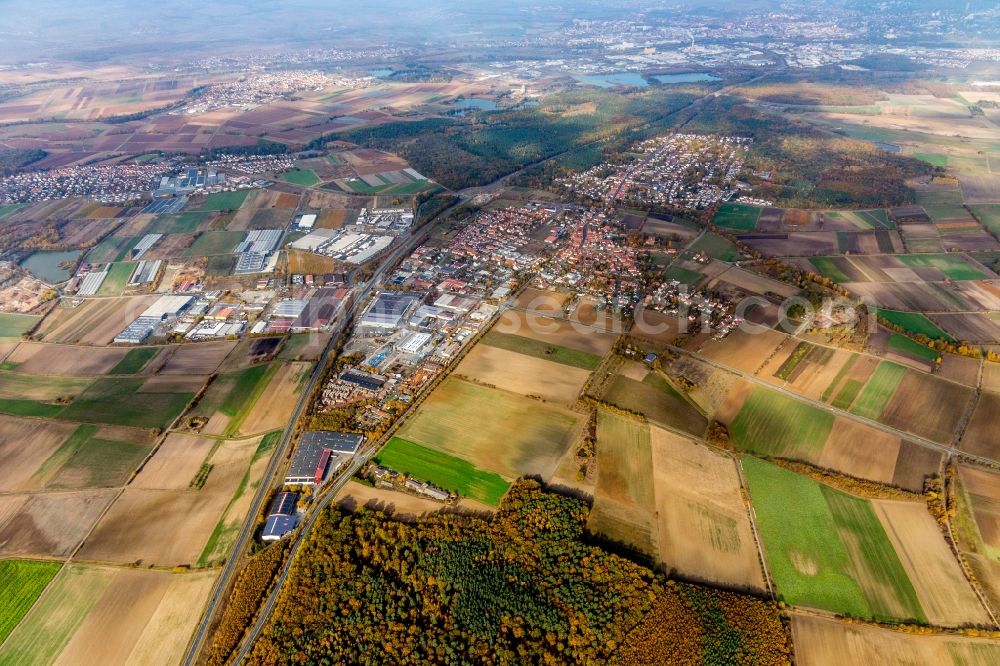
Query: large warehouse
[[318, 454], [388, 309]]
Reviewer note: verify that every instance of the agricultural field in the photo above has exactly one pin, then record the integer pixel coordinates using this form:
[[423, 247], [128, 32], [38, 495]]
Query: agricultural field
[[914, 323], [643, 391], [772, 424], [492, 429], [303, 177], [825, 642], [879, 390], [220, 201], [738, 217], [443, 470], [559, 333], [211, 243], [271, 405], [24, 581], [87, 459], [521, 373], [103, 615], [134, 361], [980, 435], [715, 247], [624, 501], [193, 359], [743, 350], [144, 522], [110, 400], [13, 326], [116, 281], [33, 358], [94, 321], [50, 524], [827, 549], [703, 527], [542, 350]]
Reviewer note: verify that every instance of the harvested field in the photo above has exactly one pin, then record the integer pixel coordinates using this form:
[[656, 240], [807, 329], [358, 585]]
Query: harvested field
[[52, 524], [175, 463], [658, 401], [982, 488], [541, 300], [970, 327], [825, 642], [493, 429], [304, 346], [558, 332], [111, 616], [861, 451], [194, 359], [657, 327], [541, 350], [961, 369], [945, 595], [23, 466], [93, 322], [173, 384], [523, 374], [144, 523], [704, 530], [397, 503], [982, 434], [742, 349], [273, 409], [35, 358], [624, 502], [916, 406]]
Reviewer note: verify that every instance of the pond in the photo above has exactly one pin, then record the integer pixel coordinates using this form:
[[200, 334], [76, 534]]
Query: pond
[[888, 147], [45, 265], [380, 73]]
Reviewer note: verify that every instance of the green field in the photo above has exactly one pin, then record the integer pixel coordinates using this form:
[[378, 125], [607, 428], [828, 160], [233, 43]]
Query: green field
[[934, 159], [442, 470], [23, 582], [736, 216], [126, 247], [953, 267], [114, 401], [682, 275], [827, 266], [946, 212], [493, 429], [116, 281], [13, 326], [904, 345], [772, 424], [19, 407], [543, 350], [224, 201], [235, 393], [214, 242], [178, 223], [716, 247], [96, 463], [134, 361], [847, 394], [7, 209], [17, 385], [988, 215], [914, 323], [46, 630], [827, 549], [879, 390], [938, 197], [304, 177]]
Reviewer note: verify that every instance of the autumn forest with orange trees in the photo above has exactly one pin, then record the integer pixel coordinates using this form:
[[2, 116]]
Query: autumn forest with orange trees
[[522, 586]]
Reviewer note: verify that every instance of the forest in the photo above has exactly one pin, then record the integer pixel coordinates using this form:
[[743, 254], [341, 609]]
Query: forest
[[476, 150], [522, 586]]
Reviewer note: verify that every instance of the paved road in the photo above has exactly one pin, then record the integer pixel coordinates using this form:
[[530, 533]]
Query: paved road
[[220, 591]]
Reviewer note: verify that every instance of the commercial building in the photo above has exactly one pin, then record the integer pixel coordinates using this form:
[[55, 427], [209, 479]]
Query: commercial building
[[318, 454], [282, 517], [388, 309]]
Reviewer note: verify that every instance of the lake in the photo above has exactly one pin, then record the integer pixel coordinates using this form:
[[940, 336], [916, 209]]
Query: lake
[[637, 80], [634, 79], [45, 265], [888, 147], [687, 77]]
